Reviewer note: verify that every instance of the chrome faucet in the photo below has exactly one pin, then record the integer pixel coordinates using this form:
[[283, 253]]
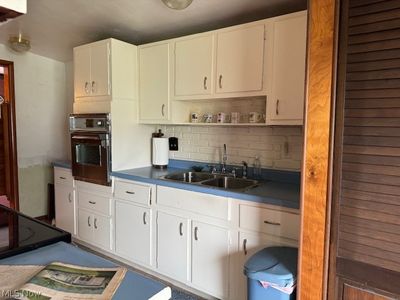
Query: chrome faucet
[[244, 169], [224, 159]]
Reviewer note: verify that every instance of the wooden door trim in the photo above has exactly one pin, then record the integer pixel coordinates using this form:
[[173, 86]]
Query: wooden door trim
[[11, 148], [316, 170]]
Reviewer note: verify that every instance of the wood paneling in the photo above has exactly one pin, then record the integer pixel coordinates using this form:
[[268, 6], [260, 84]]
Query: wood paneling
[[365, 244], [352, 293], [9, 136], [315, 172]]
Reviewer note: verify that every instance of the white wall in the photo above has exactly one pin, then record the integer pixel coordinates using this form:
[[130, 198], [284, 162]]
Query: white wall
[[42, 107]]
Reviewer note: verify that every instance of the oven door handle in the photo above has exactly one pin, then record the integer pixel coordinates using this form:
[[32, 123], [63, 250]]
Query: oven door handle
[[85, 137]]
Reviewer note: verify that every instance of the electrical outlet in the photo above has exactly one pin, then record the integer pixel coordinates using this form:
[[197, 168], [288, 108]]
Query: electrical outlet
[[173, 144]]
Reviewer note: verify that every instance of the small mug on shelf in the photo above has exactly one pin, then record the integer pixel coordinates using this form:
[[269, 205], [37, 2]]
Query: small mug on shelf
[[255, 117]]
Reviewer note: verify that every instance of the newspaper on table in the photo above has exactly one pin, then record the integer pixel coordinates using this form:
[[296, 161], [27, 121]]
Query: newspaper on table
[[59, 281]]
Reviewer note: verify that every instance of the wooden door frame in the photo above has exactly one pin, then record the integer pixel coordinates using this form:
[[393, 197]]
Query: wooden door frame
[[317, 161], [11, 161]]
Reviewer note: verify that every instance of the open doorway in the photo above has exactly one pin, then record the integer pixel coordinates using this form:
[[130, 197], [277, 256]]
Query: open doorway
[[8, 143]]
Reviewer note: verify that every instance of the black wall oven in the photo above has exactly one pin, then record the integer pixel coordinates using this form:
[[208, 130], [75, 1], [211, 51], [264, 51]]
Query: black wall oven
[[91, 147]]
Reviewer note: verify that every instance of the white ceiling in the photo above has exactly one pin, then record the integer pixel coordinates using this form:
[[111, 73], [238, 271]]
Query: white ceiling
[[56, 26]]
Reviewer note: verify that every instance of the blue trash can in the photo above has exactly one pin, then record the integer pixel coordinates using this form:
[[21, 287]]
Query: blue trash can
[[268, 271]]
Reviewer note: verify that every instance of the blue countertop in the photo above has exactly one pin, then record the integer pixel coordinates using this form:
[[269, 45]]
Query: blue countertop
[[286, 194], [280, 188], [62, 164]]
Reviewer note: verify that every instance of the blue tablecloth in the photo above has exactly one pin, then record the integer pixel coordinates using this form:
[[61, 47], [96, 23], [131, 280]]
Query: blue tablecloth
[[134, 286]]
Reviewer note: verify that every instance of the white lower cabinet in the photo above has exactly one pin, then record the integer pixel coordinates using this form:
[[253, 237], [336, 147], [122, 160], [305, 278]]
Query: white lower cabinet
[[94, 228], [94, 214], [65, 208], [133, 232], [173, 246], [210, 259], [64, 200], [249, 244]]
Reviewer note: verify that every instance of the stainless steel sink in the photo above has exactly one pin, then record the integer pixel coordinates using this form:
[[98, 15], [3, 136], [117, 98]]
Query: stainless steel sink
[[219, 181], [189, 177], [230, 183]]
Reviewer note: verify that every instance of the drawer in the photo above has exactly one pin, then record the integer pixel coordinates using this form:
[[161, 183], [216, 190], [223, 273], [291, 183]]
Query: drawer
[[133, 192], [201, 203], [63, 176], [270, 221], [94, 202]]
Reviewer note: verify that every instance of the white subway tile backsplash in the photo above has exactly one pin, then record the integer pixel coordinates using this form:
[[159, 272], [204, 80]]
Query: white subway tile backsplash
[[205, 143]]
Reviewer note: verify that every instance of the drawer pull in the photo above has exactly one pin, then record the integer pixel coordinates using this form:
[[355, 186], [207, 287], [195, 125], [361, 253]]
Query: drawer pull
[[144, 218], [245, 246], [92, 202], [63, 178], [196, 233], [130, 193], [272, 223], [181, 229]]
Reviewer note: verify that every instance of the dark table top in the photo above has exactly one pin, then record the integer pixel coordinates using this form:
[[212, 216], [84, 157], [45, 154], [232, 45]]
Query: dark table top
[[20, 233]]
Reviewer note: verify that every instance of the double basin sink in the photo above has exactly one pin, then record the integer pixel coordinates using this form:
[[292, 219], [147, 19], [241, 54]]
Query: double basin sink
[[213, 180]]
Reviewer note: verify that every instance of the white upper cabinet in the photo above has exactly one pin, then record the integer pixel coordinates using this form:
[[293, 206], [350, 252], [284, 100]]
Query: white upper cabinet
[[104, 71], [286, 104], [100, 70], [194, 66], [154, 82], [82, 72], [240, 59], [91, 68]]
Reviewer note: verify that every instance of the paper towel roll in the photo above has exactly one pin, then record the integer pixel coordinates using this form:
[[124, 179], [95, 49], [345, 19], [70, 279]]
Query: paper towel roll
[[160, 152]]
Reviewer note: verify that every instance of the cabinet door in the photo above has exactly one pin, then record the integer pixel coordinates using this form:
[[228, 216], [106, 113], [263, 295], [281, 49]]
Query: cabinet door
[[249, 244], [154, 82], [85, 225], [172, 246], [288, 79], [210, 259], [133, 232], [102, 231], [193, 66], [240, 60], [65, 208], [100, 69], [82, 79]]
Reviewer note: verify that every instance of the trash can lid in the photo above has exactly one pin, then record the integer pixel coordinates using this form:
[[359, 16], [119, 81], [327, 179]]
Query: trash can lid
[[274, 264]]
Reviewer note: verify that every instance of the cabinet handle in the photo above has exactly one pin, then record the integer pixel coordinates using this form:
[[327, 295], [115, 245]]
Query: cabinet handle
[[181, 229], [93, 86], [95, 223], [130, 193], [245, 246], [88, 221], [92, 202], [63, 178], [272, 223], [69, 198], [277, 107], [220, 81], [87, 87], [196, 233], [162, 110], [144, 218], [205, 82]]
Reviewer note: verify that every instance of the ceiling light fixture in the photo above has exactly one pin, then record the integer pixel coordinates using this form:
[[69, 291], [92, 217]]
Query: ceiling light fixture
[[177, 4], [19, 44]]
